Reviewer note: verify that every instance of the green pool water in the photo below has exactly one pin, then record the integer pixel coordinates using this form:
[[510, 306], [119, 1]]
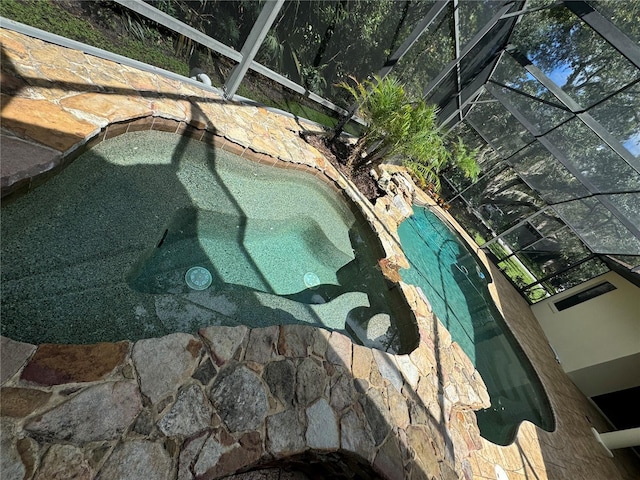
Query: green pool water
[[455, 285], [102, 250]]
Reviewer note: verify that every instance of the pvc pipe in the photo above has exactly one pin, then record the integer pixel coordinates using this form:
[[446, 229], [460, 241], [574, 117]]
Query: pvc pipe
[[621, 438], [197, 74], [618, 439]]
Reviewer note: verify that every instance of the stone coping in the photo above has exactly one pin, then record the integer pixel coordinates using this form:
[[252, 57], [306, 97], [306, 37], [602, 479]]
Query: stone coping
[[229, 398]]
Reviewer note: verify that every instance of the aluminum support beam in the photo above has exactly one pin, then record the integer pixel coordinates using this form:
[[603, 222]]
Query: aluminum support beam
[[177, 26], [515, 227], [591, 188], [607, 30], [525, 10], [575, 108], [413, 37], [458, 113], [252, 45], [473, 98], [468, 47], [456, 44]]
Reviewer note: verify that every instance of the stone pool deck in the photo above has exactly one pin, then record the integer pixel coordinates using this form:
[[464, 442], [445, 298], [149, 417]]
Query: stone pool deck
[[283, 402]]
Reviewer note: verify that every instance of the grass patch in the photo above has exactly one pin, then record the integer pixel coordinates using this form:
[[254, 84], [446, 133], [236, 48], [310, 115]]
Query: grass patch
[[55, 19], [518, 273]]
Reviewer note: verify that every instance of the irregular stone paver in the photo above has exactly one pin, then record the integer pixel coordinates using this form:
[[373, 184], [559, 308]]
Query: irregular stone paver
[[101, 412], [62, 462], [137, 459], [388, 368], [25, 117], [102, 105], [377, 414], [362, 361], [11, 464], [342, 392], [205, 372], [421, 359], [13, 355], [23, 160], [285, 433], [408, 370], [339, 350], [189, 415], [262, 345], [389, 461], [224, 341], [398, 408], [354, 437], [295, 340], [21, 402], [56, 364], [322, 427], [281, 379], [31, 453], [239, 398], [310, 381], [209, 455], [426, 457], [189, 452], [249, 450], [165, 363]]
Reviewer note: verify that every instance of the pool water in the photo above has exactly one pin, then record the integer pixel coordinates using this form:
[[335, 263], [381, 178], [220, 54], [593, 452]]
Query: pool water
[[274, 256], [151, 233], [455, 285]]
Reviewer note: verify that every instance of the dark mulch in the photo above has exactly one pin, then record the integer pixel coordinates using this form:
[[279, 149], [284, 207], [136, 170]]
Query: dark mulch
[[337, 153]]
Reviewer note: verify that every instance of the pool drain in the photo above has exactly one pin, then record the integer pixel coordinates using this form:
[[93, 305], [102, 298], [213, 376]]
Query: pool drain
[[198, 278], [311, 280]]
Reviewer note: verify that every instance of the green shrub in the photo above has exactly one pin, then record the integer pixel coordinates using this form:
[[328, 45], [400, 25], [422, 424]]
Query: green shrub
[[400, 128]]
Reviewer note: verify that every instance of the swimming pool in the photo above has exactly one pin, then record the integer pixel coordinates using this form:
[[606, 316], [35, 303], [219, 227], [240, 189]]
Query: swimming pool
[[455, 284], [151, 233]]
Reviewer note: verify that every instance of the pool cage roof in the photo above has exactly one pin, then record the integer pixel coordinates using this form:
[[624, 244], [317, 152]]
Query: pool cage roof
[[548, 91], [550, 96]]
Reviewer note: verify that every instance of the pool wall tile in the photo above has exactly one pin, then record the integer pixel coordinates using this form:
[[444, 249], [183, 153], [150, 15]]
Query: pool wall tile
[[96, 140], [234, 148], [141, 124], [213, 140], [165, 125], [259, 157], [189, 131], [115, 129]]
